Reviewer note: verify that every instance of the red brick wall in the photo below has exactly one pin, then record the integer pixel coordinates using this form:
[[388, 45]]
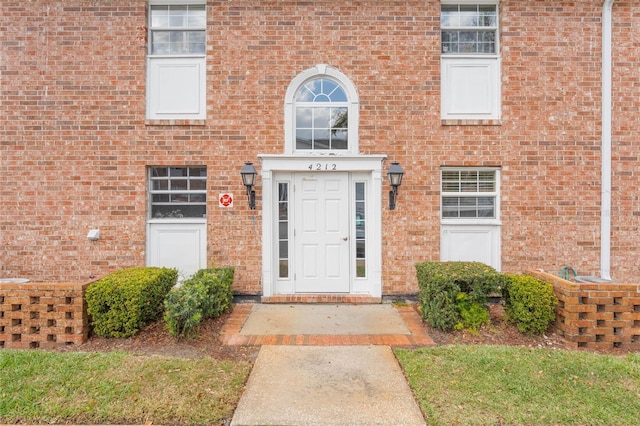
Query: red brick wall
[[596, 316], [42, 315], [75, 145]]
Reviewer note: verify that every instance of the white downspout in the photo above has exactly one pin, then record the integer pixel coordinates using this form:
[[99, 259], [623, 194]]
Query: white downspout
[[605, 218]]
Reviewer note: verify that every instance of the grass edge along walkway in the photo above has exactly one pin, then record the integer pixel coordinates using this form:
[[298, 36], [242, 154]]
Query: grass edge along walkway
[[116, 387], [489, 385], [455, 384]]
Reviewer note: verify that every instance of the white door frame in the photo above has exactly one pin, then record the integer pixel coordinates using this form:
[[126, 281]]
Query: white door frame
[[360, 165]]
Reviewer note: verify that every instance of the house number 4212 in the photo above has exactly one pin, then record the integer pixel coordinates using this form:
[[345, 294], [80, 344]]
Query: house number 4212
[[323, 166]]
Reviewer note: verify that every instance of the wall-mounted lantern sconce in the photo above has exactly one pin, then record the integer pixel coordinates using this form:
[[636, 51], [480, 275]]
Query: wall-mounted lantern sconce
[[249, 173], [395, 174]]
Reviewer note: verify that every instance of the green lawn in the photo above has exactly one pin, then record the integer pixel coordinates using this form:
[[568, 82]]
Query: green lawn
[[495, 385], [115, 387], [458, 384]]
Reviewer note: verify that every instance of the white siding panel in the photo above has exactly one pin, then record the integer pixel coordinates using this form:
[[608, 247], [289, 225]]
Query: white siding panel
[[176, 88], [177, 245], [470, 88], [471, 244]]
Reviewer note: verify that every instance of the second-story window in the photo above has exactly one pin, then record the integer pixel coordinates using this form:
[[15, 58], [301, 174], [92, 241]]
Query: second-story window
[[470, 60], [321, 114], [176, 68], [469, 28], [178, 29]]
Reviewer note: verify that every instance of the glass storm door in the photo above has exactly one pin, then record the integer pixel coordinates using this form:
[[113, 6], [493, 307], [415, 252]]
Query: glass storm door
[[321, 233]]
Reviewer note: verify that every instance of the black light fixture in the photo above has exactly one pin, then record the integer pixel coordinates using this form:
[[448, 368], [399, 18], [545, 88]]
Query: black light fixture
[[249, 173], [395, 174]]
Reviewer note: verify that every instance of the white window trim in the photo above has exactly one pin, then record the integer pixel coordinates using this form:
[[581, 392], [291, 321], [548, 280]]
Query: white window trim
[[353, 106], [496, 28], [473, 221]]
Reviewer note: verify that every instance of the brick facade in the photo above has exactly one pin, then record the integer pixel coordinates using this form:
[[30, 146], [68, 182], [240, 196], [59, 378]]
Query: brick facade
[[75, 145]]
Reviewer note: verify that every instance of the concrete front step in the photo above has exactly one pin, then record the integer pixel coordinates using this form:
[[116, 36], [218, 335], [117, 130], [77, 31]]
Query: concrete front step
[[344, 326]]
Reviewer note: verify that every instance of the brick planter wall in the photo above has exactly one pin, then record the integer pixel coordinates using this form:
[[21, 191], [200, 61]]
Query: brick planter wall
[[596, 316], [42, 315]]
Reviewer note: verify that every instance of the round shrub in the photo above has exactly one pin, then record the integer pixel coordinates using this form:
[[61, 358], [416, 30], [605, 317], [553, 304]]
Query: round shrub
[[123, 302], [529, 303]]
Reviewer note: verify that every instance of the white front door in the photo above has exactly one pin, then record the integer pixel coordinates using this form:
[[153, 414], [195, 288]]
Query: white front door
[[321, 233]]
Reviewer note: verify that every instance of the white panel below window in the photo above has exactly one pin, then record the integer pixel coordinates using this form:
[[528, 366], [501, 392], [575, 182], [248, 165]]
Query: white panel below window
[[473, 243], [176, 88], [177, 245], [470, 88]]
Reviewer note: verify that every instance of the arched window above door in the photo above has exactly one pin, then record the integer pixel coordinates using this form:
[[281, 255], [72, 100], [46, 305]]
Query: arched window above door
[[321, 113]]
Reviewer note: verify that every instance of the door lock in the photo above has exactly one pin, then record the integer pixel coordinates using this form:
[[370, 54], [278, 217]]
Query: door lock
[[345, 238]]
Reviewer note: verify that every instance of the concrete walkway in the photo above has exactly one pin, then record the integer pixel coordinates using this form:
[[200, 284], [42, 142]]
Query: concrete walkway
[[326, 364], [322, 385]]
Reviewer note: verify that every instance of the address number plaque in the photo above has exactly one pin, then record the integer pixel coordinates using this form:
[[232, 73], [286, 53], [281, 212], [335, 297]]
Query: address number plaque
[[320, 167]]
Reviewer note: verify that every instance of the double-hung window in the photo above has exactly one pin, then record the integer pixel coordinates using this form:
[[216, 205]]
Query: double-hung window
[[469, 194], [470, 60], [176, 64]]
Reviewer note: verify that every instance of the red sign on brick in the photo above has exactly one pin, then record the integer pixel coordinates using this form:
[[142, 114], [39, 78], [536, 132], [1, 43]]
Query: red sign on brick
[[226, 200]]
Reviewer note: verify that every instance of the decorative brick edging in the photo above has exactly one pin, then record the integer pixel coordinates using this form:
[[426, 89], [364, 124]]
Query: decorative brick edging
[[596, 315], [230, 333], [42, 315]]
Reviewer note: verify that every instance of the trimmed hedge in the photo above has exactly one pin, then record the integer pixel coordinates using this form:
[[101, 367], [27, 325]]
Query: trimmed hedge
[[125, 301], [529, 303], [440, 284], [207, 294]]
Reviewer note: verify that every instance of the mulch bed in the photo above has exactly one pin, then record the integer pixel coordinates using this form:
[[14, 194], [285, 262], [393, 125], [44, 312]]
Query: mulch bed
[[156, 340], [498, 332]]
